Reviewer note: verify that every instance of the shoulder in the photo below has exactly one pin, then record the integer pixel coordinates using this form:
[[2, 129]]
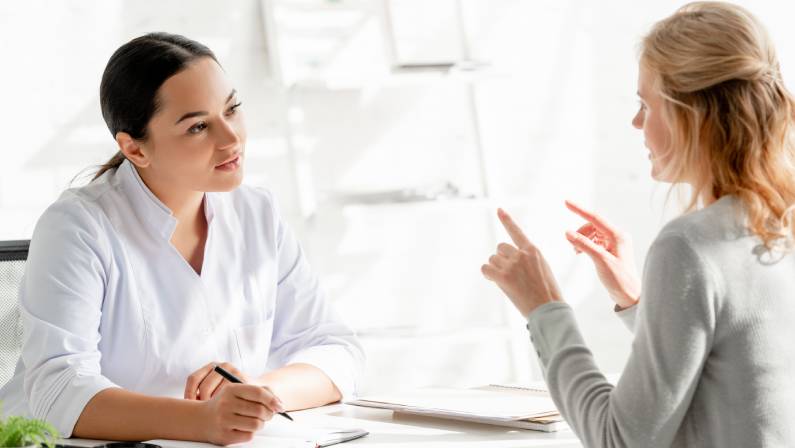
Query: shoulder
[[706, 231], [75, 209], [690, 250], [254, 211], [253, 202], [255, 196], [75, 217], [70, 231]]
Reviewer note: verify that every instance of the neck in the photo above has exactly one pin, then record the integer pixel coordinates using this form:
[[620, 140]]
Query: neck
[[185, 205]]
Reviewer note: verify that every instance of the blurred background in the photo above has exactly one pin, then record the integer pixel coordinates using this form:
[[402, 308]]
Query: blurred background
[[390, 131]]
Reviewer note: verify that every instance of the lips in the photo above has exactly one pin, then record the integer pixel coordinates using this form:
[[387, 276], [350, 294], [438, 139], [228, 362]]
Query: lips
[[233, 159]]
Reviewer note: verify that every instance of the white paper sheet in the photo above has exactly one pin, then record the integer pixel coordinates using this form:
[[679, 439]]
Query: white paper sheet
[[493, 404]]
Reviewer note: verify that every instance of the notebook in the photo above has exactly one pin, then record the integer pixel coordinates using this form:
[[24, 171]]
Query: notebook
[[496, 405], [283, 434]]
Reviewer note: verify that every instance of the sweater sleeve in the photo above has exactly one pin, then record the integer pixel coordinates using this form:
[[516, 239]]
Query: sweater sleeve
[[673, 335], [628, 316]]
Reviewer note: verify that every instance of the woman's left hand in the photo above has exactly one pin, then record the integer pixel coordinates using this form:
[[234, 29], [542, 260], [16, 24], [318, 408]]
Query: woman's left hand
[[206, 382], [521, 271]]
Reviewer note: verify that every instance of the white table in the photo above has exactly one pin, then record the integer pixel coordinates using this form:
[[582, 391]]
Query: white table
[[393, 430], [388, 430]]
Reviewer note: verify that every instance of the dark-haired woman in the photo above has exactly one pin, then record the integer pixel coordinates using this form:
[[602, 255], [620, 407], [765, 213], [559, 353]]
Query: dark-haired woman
[[164, 266]]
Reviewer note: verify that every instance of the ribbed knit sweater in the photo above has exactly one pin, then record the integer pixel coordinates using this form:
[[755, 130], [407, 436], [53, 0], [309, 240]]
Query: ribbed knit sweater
[[713, 356]]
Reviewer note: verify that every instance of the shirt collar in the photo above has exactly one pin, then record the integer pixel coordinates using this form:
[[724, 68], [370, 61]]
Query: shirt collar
[[210, 204], [150, 210]]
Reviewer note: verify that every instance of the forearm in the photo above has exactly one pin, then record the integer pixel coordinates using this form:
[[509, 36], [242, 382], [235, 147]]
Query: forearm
[[301, 386], [580, 391], [118, 414]]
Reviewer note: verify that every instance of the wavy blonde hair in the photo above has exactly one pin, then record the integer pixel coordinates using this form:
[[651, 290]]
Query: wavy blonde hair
[[730, 116]]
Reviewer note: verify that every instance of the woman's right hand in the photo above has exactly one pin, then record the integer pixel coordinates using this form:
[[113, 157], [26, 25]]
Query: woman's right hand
[[611, 253], [236, 412]]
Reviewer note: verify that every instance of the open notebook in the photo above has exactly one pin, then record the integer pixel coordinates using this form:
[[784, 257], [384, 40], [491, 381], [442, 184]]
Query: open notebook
[[279, 433], [495, 405]]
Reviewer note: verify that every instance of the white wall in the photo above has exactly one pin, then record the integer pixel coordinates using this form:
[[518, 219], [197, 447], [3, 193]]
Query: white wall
[[554, 109]]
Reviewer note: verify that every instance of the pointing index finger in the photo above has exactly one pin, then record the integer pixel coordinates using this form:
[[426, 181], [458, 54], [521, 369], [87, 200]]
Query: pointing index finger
[[513, 230], [593, 218]]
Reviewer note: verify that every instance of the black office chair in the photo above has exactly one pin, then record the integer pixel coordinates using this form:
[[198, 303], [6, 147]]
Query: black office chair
[[12, 265]]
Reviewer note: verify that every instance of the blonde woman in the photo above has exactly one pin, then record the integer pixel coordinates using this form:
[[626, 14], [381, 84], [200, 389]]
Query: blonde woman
[[713, 359]]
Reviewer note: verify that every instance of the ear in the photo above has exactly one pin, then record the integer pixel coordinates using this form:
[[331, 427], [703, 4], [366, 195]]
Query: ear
[[132, 150]]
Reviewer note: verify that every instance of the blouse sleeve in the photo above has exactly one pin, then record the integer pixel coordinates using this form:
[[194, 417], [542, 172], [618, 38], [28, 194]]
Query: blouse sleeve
[[673, 337], [61, 305], [306, 327]]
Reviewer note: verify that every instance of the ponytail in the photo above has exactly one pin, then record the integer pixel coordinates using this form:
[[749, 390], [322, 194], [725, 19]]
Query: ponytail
[[111, 164]]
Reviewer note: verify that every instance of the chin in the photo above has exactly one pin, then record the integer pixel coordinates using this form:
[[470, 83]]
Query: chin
[[227, 182], [659, 177]]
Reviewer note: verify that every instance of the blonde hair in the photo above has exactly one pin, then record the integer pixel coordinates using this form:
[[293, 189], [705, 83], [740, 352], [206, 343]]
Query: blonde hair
[[730, 115]]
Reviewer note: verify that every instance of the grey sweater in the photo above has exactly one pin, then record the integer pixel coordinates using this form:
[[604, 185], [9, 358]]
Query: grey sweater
[[713, 358]]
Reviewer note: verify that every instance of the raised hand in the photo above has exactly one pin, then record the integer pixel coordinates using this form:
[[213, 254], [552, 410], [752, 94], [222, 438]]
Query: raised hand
[[521, 271], [611, 253]]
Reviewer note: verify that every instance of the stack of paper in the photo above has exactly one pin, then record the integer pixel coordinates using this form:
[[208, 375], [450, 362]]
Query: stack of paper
[[496, 405]]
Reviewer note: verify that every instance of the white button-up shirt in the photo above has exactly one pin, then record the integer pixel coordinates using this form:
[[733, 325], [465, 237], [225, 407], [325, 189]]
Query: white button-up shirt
[[107, 301]]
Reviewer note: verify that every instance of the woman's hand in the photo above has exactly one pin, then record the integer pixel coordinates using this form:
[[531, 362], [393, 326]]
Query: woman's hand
[[236, 412], [521, 272], [205, 383], [611, 253]]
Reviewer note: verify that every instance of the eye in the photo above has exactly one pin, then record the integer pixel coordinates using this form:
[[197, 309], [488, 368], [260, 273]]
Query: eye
[[197, 128], [642, 105], [233, 108]]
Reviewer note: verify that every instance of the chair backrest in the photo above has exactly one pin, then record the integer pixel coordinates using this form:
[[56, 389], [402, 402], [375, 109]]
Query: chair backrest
[[12, 265]]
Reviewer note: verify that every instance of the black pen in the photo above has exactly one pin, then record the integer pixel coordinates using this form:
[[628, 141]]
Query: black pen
[[221, 371]]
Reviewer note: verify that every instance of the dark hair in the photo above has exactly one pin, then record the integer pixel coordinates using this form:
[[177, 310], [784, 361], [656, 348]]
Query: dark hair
[[135, 72]]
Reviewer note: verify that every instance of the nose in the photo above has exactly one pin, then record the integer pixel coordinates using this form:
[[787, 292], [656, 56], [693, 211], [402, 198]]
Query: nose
[[637, 120], [227, 136]]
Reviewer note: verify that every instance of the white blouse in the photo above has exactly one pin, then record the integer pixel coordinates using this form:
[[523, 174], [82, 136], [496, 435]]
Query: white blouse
[[107, 301]]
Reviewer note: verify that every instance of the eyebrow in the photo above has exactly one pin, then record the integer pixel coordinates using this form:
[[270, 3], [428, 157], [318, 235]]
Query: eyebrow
[[203, 112]]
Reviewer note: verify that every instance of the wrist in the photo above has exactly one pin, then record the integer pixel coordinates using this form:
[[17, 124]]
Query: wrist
[[537, 304], [624, 300], [265, 380], [202, 415], [621, 305]]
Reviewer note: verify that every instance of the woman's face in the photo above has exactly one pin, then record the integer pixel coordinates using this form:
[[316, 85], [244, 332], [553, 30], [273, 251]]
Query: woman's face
[[650, 119], [196, 139]]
